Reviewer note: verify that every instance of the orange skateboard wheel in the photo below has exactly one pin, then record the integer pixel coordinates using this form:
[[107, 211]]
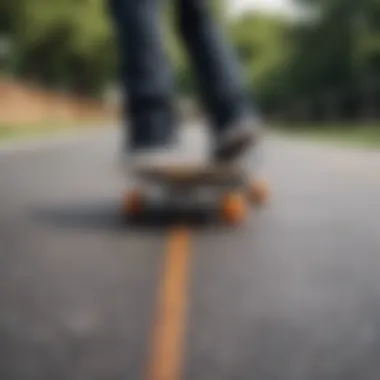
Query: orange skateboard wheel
[[234, 208]]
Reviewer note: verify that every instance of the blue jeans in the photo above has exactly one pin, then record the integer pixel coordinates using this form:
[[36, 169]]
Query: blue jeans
[[147, 77]]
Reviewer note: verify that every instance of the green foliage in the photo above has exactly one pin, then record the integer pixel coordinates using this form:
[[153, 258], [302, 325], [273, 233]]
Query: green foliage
[[70, 44], [340, 48], [62, 43], [264, 48]]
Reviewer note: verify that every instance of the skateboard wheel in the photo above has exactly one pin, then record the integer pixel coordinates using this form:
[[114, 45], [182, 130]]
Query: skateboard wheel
[[133, 203], [234, 208], [258, 192]]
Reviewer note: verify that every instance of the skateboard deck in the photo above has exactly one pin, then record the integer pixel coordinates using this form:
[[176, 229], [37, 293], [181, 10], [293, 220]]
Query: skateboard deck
[[229, 185], [195, 175]]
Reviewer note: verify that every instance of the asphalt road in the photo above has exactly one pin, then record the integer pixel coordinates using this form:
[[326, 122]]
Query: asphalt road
[[293, 294]]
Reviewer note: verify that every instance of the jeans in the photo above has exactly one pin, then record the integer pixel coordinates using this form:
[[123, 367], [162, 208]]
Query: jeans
[[146, 72]]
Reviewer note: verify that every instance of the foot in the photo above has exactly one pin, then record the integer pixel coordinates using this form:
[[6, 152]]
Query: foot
[[236, 141]]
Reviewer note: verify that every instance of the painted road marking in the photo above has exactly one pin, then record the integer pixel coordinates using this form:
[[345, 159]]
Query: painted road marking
[[165, 362]]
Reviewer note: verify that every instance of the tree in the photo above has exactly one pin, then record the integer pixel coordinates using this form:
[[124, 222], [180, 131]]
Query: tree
[[62, 43], [264, 48]]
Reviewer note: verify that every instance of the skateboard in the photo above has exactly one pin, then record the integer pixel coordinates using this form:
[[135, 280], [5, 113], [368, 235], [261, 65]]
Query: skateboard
[[229, 187]]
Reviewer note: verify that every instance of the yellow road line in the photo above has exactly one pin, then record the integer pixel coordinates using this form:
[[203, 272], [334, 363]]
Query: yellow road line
[[165, 362]]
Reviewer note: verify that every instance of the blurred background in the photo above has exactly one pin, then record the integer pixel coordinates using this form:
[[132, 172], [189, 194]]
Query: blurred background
[[292, 294], [312, 65]]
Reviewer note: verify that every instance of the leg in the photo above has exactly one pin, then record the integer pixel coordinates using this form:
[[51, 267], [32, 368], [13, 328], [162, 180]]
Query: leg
[[219, 77], [145, 72]]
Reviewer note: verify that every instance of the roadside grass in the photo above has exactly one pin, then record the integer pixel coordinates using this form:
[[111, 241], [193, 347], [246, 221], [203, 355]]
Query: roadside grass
[[359, 135], [10, 131]]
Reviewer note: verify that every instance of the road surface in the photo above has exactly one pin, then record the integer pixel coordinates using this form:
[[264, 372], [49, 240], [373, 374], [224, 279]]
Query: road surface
[[294, 294]]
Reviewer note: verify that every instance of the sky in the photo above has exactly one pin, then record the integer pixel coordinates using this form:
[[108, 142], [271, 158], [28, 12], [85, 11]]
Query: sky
[[284, 7]]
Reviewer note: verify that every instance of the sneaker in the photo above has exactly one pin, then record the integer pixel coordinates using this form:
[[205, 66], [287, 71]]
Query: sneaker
[[236, 141]]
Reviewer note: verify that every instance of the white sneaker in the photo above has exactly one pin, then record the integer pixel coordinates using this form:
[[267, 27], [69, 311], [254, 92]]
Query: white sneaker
[[237, 140]]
